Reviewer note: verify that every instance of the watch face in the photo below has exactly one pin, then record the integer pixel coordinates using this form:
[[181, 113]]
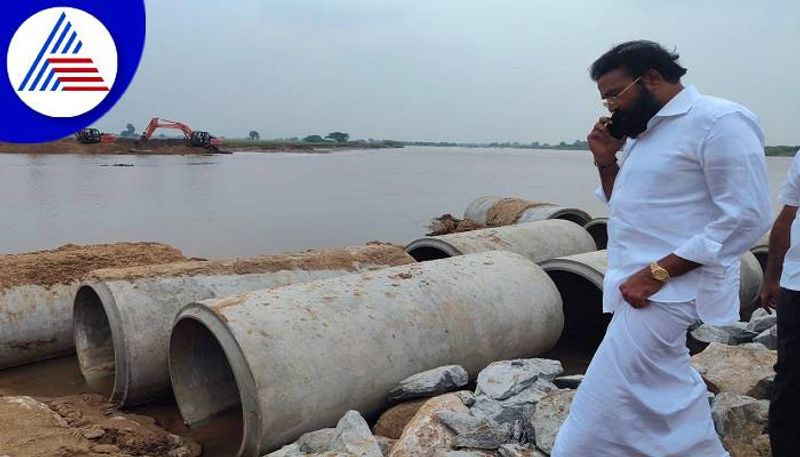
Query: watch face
[[660, 275]]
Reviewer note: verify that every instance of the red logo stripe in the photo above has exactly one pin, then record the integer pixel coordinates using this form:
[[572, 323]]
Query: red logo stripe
[[86, 89], [70, 60], [81, 79], [75, 70]]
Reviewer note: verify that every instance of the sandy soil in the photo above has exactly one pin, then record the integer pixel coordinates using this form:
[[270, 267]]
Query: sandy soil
[[508, 211], [71, 262], [447, 223], [124, 146], [121, 146], [335, 259], [82, 425]]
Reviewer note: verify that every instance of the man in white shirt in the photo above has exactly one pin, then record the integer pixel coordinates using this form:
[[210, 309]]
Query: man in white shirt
[[781, 291], [687, 197]]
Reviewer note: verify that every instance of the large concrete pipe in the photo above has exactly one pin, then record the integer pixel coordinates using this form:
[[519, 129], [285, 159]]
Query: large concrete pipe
[[499, 211], [579, 278], [752, 278], [123, 317], [761, 251], [281, 362], [537, 241], [598, 229], [37, 289]]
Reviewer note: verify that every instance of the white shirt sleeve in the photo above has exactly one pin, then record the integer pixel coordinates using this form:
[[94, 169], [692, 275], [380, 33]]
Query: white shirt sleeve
[[732, 158], [790, 190]]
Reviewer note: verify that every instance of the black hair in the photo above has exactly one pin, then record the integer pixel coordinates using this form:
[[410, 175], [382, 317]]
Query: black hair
[[636, 58]]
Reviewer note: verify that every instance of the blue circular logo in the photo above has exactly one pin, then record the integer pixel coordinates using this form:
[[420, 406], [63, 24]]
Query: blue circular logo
[[67, 64]]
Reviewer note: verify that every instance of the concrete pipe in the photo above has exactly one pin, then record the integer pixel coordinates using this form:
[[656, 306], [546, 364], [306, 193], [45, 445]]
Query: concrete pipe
[[761, 251], [752, 278], [598, 229], [37, 289], [281, 362], [500, 211], [123, 317], [579, 278], [537, 241]]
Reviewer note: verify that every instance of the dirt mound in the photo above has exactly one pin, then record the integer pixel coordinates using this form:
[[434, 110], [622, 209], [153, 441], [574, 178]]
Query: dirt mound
[[120, 146], [83, 425], [71, 262], [447, 223], [507, 211], [349, 259]]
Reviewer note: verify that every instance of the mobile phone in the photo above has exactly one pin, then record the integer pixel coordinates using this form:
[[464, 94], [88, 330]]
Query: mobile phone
[[614, 127]]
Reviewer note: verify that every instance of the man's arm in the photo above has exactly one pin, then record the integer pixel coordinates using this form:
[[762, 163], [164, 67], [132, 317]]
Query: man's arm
[[779, 241], [604, 148], [732, 159], [608, 174]]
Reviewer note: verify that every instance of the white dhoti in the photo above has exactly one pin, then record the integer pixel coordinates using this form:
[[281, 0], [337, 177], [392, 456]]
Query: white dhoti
[[640, 396]]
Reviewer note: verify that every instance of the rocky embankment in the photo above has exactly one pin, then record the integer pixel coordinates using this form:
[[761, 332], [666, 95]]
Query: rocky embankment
[[517, 406]]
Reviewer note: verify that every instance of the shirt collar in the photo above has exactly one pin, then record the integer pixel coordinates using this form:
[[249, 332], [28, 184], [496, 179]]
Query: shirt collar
[[680, 103]]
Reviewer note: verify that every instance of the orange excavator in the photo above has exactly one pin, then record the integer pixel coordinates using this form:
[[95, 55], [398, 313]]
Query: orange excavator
[[194, 138]]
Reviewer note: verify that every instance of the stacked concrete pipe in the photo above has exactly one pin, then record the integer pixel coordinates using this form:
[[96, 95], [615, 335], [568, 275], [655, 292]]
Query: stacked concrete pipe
[[293, 359], [761, 251], [123, 317], [37, 289], [499, 211], [537, 241], [579, 279], [598, 229]]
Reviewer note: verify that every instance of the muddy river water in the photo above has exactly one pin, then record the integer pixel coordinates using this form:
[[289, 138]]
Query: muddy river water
[[251, 203]]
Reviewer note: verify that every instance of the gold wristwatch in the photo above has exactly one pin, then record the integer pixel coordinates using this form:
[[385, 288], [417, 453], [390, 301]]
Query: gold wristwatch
[[658, 272]]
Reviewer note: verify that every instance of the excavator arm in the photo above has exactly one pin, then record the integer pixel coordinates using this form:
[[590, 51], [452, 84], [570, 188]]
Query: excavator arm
[[158, 123]]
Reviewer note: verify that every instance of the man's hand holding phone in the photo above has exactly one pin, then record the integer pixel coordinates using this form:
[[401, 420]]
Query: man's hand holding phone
[[604, 147]]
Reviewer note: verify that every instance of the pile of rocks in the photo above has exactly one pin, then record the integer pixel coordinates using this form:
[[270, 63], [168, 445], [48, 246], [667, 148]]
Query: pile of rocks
[[737, 366], [516, 410], [762, 329], [518, 406]]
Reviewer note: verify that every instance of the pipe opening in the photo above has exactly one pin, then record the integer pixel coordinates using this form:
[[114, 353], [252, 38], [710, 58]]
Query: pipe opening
[[599, 233], [762, 255], [572, 217], [425, 253], [93, 340], [584, 321], [206, 389]]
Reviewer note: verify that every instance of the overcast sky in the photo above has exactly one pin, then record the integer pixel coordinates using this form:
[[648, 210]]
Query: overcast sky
[[461, 70]]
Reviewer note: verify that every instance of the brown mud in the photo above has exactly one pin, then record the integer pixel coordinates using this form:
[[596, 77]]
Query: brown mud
[[127, 146], [349, 259], [507, 211], [71, 262], [447, 223], [59, 381]]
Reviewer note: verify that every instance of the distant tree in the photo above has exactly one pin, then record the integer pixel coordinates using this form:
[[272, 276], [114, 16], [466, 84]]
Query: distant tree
[[130, 131], [314, 139], [254, 136], [339, 137]]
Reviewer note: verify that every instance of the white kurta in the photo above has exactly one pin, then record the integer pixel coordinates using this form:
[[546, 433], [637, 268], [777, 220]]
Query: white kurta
[[789, 195], [693, 184]]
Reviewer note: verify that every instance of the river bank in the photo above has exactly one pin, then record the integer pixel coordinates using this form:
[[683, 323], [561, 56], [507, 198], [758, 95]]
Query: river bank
[[126, 146]]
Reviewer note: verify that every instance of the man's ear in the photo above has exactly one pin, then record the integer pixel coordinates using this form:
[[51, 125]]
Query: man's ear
[[653, 80]]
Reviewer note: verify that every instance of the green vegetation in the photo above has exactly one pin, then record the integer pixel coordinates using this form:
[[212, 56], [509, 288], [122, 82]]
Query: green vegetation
[[781, 151], [577, 145]]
